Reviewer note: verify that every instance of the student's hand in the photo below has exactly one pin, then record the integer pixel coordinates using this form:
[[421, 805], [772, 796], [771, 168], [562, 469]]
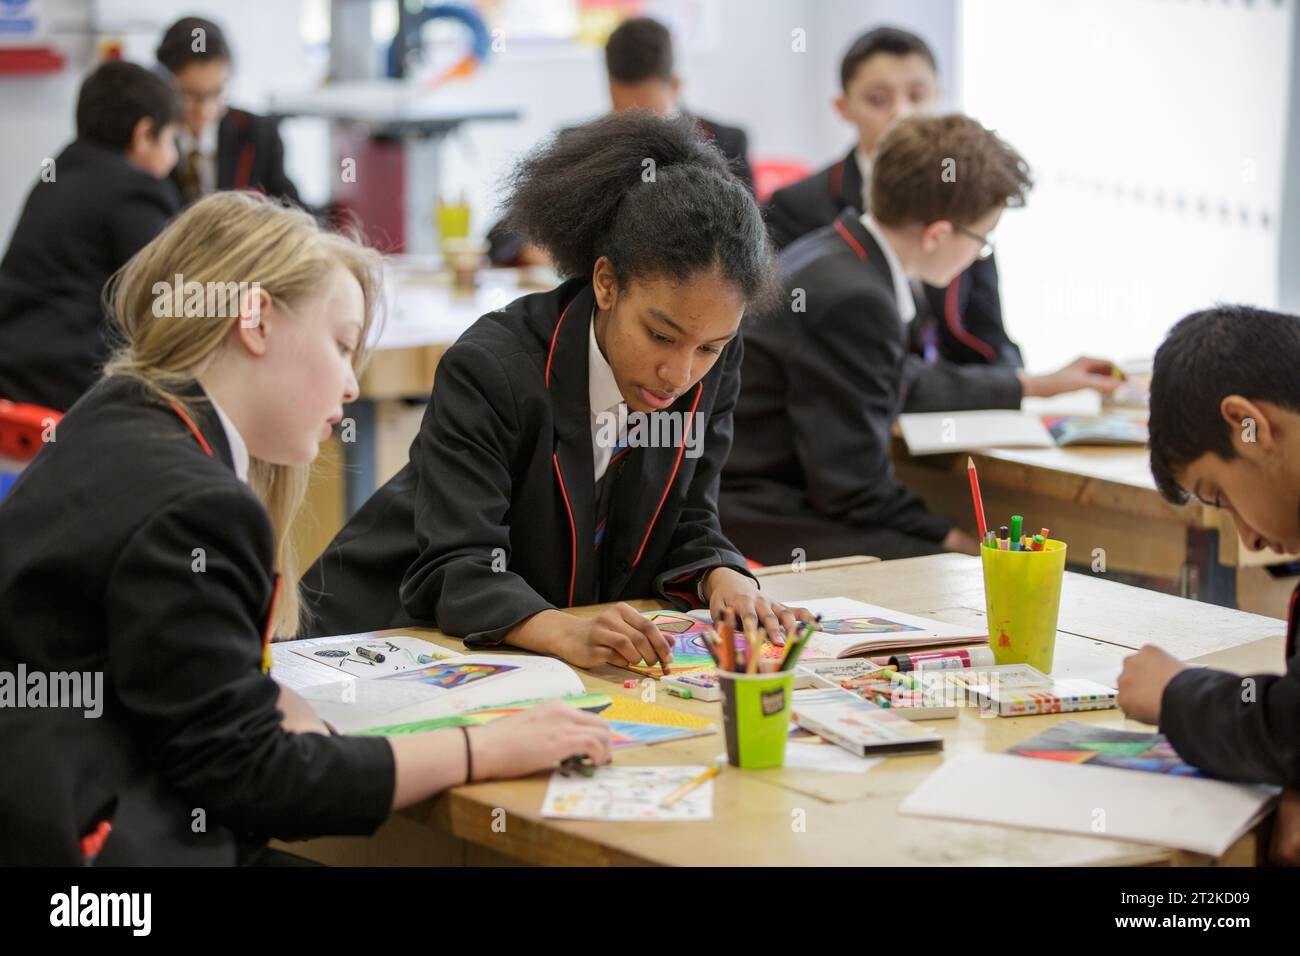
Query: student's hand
[[537, 739], [298, 718], [727, 588], [960, 542], [1284, 847], [1142, 682], [1083, 372], [618, 635]]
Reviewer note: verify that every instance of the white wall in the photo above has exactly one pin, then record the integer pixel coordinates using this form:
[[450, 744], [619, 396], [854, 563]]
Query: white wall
[[1156, 134]]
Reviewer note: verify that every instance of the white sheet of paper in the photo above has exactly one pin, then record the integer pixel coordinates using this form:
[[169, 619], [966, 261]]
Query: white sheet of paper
[[1189, 813], [933, 433], [628, 794], [811, 756]]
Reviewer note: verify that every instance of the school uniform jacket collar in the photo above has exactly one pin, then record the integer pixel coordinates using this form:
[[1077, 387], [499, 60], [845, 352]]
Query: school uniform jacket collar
[[856, 237], [651, 471], [846, 182], [205, 426]]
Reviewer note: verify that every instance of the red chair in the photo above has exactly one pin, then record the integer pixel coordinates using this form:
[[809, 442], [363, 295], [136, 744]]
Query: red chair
[[22, 429], [773, 174]]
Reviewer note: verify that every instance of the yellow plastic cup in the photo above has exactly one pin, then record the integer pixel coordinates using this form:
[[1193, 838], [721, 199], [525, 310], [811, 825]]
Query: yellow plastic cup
[[452, 221], [1022, 593]]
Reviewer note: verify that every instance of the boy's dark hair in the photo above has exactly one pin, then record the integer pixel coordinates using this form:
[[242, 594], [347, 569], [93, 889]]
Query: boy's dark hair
[[1207, 356], [944, 167], [640, 49], [115, 97], [648, 194], [889, 40], [177, 49]]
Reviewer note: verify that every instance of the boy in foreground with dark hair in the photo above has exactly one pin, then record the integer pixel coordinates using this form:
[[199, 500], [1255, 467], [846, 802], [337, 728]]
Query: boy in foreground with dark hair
[[1225, 431], [92, 208]]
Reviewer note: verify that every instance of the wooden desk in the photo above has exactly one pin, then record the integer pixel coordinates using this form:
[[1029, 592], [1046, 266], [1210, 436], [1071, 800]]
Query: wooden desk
[[804, 817], [1104, 503]]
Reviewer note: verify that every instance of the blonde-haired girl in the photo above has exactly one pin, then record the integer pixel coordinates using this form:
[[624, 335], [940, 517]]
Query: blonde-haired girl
[[144, 552]]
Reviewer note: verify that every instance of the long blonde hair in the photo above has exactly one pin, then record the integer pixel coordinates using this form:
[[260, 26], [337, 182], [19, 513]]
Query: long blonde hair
[[226, 239]]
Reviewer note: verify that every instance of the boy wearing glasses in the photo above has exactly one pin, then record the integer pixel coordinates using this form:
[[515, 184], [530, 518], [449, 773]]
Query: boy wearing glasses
[[220, 148], [887, 75], [823, 375]]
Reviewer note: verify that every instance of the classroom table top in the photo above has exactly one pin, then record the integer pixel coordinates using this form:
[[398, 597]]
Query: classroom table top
[[793, 816]]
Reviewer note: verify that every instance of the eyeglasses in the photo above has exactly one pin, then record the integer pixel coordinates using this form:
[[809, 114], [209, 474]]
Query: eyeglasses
[[203, 97], [986, 243]]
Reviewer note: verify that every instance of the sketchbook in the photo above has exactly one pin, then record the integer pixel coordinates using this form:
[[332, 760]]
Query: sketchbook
[[466, 682]]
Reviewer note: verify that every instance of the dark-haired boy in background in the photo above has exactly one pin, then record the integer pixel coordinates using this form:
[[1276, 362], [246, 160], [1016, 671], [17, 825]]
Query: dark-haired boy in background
[[887, 75], [642, 75], [103, 198]]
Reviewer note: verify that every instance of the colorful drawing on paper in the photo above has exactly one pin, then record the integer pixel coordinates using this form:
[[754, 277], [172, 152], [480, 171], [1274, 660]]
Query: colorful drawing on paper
[[686, 633], [866, 625], [628, 794], [627, 733], [1074, 742], [595, 703], [451, 676]]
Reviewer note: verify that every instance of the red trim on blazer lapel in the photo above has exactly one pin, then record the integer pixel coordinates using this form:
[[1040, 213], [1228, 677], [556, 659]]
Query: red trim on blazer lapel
[[837, 183], [953, 319], [690, 420], [555, 335], [851, 240], [203, 443], [573, 529], [244, 171]]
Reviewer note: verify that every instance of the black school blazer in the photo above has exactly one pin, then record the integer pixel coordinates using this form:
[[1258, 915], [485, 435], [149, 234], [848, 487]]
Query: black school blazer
[[1215, 725], [493, 518], [811, 464], [72, 235], [250, 155], [967, 315], [97, 542]]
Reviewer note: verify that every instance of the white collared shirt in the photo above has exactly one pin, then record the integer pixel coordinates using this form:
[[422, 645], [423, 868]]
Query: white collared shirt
[[238, 449], [605, 397], [864, 167], [206, 144], [902, 288]]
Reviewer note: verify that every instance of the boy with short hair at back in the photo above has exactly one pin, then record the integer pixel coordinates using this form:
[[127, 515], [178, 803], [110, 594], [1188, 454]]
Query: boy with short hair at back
[[102, 199], [1225, 431], [824, 373], [641, 68], [887, 75]]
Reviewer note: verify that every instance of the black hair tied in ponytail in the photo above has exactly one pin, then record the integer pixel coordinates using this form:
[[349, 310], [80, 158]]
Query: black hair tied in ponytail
[[646, 193]]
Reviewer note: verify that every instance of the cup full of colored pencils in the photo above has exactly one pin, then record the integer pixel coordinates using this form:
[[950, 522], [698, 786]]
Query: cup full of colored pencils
[[756, 690], [1023, 573]]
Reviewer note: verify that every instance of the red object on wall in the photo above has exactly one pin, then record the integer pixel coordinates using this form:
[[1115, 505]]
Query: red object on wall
[[22, 60]]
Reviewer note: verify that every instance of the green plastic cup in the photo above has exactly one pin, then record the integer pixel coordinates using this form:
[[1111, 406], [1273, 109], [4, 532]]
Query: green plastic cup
[[1022, 593], [756, 717]]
